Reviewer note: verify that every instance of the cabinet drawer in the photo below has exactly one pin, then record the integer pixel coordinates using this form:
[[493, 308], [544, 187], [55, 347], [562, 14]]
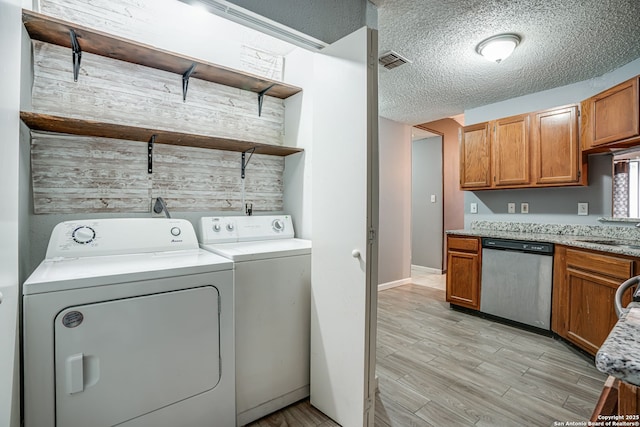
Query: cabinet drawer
[[617, 268], [467, 244]]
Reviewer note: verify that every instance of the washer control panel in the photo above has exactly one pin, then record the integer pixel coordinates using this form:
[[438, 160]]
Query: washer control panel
[[218, 229], [100, 237], [226, 229]]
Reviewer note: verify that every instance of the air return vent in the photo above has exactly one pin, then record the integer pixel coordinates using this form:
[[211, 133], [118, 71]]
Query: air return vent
[[391, 60]]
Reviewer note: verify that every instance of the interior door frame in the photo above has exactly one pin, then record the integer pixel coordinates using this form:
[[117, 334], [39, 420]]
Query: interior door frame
[[443, 237]]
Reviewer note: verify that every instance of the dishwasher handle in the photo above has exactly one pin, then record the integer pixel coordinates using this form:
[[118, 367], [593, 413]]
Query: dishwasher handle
[[620, 291]]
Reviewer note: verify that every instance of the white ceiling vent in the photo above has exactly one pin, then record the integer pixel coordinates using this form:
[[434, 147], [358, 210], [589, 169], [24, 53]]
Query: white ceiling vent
[[391, 60]]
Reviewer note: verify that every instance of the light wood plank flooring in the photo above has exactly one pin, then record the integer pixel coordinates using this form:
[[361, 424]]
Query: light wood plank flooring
[[439, 367]]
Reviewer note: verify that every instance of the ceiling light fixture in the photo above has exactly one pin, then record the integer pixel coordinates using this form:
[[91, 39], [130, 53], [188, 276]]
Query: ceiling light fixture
[[499, 47]]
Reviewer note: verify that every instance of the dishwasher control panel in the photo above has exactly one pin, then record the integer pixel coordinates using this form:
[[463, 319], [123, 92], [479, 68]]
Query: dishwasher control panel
[[518, 245]]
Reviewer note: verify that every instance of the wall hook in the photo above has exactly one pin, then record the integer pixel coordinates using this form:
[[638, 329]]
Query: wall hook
[[77, 54], [246, 161]]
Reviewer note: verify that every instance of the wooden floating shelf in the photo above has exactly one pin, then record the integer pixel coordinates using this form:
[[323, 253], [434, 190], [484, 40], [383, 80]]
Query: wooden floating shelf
[[51, 30], [58, 124]]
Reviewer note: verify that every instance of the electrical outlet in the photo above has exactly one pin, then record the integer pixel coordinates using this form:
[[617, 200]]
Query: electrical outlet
[[524, 207], [511, 207], [473, 208], [583, 208]]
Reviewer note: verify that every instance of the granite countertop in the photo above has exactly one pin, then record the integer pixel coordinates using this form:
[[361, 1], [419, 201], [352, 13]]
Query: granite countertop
[[613, 239], [619, 356]]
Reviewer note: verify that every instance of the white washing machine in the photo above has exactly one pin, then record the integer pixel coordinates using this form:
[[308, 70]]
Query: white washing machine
[[272, 277], [128, 322]]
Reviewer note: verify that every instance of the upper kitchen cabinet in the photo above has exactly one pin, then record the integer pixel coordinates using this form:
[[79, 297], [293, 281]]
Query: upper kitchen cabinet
[[510, 143], [475, 157], [611, 119], [539, 149], [556, 148]]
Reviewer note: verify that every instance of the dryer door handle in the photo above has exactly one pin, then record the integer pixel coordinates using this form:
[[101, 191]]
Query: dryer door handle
[[75, 373]]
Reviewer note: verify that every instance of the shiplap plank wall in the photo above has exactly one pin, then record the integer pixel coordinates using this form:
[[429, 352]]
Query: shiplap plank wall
[[136, 19], [120, 92], [77, 174]]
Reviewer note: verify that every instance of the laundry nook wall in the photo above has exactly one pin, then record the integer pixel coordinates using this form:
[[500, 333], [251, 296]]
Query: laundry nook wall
[[78, 174]]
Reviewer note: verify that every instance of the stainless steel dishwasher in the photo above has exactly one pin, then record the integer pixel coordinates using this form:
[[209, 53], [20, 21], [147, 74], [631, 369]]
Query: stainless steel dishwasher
[[516, 281]]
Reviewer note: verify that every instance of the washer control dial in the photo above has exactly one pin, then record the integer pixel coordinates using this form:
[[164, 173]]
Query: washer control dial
[[278, 225], [216, 227], [230, 226], [83, 234], [175, 231]]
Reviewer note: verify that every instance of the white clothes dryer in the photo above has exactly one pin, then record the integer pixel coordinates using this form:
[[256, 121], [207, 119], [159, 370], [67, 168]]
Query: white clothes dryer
[[272, 281], [127, 322]]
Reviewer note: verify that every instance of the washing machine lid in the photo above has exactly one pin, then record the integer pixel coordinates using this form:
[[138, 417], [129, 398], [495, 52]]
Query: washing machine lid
[[263, 249], [54, 275]]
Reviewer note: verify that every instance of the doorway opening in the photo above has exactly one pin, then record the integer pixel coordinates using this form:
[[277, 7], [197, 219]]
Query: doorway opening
[[427, 206]]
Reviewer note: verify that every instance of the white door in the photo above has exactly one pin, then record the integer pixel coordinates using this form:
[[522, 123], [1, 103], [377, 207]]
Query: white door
[[10, 34], [344, 215], [122, 359]]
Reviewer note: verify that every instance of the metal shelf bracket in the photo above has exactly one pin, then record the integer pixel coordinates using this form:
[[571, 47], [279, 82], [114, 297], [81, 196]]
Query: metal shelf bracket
[[77, 54], [185, 81], [261, 99], [246, 161], [150, 153]]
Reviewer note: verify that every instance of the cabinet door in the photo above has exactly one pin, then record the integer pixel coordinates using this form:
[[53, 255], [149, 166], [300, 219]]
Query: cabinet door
[[475, 157], [628, 399], [511, 151], [463, 272], [555, 146], [614, 114], [590, 308], [588, 289]]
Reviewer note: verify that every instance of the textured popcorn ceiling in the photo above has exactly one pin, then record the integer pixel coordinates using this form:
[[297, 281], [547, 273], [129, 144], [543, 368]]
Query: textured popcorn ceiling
[[563, 42]]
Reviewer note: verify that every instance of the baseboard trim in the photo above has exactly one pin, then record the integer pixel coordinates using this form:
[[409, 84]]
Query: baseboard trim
[[429, 270], [394, 284]]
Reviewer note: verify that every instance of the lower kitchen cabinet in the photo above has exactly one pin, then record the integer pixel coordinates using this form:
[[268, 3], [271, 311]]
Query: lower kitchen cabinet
[[463, 271], [585, 284], [618, 398]]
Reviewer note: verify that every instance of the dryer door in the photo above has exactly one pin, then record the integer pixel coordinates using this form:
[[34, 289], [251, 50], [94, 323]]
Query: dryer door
[[118, 360]]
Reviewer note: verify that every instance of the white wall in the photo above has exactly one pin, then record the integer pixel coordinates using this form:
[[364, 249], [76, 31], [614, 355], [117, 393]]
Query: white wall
[[394, 247], [10, 61], [426, 216], [298, 133], [550, 205], [555, 97]]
